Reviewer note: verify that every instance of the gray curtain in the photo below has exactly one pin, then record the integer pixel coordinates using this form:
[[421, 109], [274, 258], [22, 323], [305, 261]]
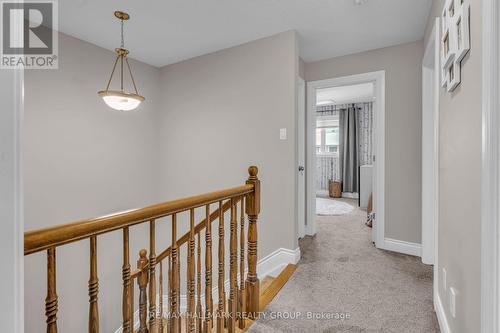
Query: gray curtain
[[348, 152]]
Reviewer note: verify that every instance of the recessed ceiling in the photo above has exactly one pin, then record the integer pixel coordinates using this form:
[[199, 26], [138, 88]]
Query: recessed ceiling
[[346, 94], [162, 32]]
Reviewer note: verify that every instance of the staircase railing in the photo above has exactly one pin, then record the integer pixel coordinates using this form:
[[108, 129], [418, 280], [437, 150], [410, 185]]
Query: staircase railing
[[242, 300]]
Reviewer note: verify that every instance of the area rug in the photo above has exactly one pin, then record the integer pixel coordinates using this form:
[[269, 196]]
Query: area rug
[[332, 207]]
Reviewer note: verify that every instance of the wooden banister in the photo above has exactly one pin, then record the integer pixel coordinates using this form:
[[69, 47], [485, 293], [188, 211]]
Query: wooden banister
[[40, 240], [242, 296]]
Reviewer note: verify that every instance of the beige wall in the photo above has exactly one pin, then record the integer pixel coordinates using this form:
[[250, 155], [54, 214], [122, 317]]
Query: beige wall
[[203, 123], [222, 112], [403, 66], [460, 183], [82, 159]]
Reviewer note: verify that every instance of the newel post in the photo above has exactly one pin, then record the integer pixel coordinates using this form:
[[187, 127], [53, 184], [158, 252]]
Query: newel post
[[252, 210]]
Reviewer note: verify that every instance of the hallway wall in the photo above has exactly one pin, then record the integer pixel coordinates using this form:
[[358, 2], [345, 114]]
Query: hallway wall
[[224, 110], [204, 121], [403, 148], [460, 182], [83, 159]]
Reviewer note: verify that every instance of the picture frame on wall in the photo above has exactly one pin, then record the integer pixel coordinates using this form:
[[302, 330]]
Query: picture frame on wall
[[455, 41], [453, 76], [462, 27]]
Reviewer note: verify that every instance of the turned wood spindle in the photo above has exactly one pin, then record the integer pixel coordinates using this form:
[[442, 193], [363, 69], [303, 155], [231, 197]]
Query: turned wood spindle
[[208, 272], [152, 278], [199, 311], [252, 210], [169, 284], [175, 320], [142, 281], [127, 285], [160, 301], [191, 276], [51, 300], [233, 269], [242, 293], [222, 293], [93, 288]]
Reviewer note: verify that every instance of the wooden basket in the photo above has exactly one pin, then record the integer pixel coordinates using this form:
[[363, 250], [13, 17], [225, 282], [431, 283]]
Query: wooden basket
[[335, 189]]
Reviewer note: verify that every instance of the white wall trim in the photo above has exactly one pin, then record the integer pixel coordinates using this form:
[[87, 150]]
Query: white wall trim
[[270, 265], [301, 158], [379, 142], [430, 145], [413, 249], [441, 316], [490, 173]]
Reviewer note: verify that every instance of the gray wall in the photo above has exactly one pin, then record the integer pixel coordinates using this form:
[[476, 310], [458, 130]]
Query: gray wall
[[11, 288], [222, 112], [403, 149], [82, 159], [460, 183], [203, 123]]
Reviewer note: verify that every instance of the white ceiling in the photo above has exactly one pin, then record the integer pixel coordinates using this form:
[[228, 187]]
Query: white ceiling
[[346, 94], [162, 32]]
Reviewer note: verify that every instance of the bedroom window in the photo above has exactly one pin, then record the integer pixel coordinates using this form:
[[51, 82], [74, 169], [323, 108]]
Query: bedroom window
[[327, 140]]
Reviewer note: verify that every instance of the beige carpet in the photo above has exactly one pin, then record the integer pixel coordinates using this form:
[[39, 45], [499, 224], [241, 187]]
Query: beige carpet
[[341, 273]]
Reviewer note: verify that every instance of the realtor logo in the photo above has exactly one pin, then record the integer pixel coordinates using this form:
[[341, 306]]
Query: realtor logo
[[29, 34]]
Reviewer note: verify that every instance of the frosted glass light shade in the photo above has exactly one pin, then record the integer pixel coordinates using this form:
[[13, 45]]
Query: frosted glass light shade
[[121, 101]]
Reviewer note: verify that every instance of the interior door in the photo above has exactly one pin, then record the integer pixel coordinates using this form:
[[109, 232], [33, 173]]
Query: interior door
[[301, 158]]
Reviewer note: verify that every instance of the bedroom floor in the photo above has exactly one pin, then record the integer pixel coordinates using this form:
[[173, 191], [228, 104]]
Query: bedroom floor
[[340, 272]]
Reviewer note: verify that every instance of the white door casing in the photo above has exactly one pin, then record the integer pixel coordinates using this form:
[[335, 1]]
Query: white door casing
[[301, 158], [490, 169], [378, 78], [430, 147]]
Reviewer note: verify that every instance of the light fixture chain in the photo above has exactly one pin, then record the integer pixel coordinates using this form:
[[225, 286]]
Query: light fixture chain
[[123, 39]]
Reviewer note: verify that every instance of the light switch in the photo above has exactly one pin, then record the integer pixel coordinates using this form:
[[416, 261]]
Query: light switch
[[282, 133]]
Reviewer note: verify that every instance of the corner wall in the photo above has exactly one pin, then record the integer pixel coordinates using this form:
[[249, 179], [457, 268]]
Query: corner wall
[[204, 121], [222, 112], [82, 159], [403, 116], [459, 231]]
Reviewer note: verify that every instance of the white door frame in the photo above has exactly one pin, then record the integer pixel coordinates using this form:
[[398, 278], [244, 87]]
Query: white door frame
[[490, 173], [378, 78], [430, 149], [301, 147]]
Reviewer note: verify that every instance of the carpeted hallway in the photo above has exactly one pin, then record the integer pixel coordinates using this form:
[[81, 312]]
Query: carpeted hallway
[[341, 272]]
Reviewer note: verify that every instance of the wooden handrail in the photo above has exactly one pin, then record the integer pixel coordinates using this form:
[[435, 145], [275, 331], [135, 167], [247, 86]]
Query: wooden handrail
[[243, 296], [43, 239]]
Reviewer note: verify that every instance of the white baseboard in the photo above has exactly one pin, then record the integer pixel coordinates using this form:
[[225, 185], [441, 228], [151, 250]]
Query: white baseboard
[[270, 265], [275, 262], [441, 316], [413, 249]]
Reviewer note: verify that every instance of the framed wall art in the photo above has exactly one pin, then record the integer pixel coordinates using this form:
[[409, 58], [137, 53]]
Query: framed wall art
[[455, 41]]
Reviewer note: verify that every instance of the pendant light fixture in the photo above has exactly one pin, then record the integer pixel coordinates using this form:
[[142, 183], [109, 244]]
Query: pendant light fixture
[[120, 99]]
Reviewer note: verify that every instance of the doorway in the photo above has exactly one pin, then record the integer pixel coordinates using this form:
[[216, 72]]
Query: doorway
[[333, 103]]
